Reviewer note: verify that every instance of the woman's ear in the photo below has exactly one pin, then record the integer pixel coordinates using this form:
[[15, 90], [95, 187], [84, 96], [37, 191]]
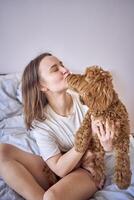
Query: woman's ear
[[43, 87]]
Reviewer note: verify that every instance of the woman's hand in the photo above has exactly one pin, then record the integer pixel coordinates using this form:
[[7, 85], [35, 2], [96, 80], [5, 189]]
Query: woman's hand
[[105, 133]]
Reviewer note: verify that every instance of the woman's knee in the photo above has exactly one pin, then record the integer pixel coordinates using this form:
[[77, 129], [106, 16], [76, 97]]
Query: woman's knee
[[5, 152], [51, 194]]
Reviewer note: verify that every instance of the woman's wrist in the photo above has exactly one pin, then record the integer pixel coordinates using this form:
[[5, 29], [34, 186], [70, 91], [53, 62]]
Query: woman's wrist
[[108, 149], [109, 153], [107, 146]]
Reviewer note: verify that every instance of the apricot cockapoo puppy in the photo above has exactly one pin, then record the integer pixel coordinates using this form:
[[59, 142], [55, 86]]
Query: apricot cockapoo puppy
[[96, 91]]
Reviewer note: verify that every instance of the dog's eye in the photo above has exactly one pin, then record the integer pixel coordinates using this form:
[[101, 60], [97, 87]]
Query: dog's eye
[[87, 94]]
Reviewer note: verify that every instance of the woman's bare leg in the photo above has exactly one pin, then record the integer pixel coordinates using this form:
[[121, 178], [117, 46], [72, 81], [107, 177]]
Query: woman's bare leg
[[23, 172], [77, 185]]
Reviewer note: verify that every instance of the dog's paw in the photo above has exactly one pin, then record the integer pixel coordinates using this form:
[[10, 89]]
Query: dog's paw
[[123, 178]]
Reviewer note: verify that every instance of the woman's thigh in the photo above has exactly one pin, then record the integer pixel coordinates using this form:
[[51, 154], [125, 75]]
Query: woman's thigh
[[78, 185], [33, 163]]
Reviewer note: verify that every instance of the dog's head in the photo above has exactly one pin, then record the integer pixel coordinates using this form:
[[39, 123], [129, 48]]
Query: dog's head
[[94, 87]]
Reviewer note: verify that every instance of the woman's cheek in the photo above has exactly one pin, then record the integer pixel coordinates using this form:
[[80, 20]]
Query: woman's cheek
[[58, 79]]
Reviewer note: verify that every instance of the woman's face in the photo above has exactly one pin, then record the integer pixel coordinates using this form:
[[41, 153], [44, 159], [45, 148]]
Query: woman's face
[[52, 74]]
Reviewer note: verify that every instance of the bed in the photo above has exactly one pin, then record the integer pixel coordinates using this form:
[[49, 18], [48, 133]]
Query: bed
[[13, 131]]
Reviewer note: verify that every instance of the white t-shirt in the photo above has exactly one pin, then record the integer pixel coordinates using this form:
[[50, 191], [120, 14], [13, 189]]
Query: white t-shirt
[[56, 133]]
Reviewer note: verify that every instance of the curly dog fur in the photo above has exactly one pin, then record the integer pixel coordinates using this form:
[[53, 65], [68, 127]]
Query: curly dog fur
[[96, 91]]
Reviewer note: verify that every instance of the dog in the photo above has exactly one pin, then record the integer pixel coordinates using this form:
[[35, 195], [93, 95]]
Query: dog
[[96, 90]]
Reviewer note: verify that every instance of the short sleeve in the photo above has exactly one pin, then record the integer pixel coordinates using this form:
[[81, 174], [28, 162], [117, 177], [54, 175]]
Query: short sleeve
[[47, 144]]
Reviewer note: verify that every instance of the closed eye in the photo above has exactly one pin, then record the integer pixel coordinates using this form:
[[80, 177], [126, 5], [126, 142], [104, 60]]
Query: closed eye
[[54, 68]]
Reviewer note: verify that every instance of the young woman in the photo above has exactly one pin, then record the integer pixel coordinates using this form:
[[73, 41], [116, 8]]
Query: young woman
[[53, 114]]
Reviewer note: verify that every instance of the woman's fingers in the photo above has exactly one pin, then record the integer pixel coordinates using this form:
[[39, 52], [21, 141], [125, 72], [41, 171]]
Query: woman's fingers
[[112, 130], [102, 129], [108, 129], [102, 133], [95, 127]]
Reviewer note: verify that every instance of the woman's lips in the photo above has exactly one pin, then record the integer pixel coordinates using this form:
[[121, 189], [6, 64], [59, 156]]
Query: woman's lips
[[66, 74]]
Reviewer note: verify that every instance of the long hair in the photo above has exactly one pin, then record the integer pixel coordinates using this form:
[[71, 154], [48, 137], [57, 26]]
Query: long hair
[[34, 100]]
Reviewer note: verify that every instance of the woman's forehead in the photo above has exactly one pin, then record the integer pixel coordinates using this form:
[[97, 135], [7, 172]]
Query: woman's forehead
[[48, 61]]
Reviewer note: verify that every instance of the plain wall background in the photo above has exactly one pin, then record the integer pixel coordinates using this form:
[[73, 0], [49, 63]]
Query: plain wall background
[[80, 32]]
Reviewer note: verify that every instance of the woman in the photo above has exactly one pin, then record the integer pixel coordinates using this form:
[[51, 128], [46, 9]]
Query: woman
[[53, 114]]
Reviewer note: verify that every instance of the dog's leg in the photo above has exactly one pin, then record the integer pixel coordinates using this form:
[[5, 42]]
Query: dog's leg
[[122, 174], [83, 135], [98, 162]]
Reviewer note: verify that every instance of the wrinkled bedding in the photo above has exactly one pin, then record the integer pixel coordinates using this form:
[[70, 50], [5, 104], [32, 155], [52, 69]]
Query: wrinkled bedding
[[13, 131]]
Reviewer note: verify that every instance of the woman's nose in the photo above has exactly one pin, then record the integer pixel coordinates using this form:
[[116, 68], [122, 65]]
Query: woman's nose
[[64, 70]]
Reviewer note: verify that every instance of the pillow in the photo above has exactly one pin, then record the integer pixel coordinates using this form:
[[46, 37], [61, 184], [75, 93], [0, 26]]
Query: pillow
[[9, 103], [19, 92]]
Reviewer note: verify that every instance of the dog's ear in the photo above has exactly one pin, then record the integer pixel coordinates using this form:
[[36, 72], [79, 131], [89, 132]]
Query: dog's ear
[[101, 87], [105, 93], [96, 73], [91, 72]]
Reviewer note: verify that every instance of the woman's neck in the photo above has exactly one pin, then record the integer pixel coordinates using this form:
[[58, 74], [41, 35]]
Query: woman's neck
[[61, 103]]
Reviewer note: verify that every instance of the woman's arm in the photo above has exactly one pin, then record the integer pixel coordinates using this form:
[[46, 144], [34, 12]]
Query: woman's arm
[[64, 164]]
